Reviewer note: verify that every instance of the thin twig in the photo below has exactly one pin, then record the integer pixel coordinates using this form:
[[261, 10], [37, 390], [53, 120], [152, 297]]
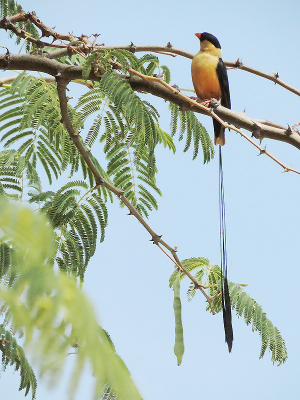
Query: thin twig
[[261, 149], [271, 77]]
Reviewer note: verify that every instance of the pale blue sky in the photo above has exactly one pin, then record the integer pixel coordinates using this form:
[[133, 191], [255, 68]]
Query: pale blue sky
[[127, 279]]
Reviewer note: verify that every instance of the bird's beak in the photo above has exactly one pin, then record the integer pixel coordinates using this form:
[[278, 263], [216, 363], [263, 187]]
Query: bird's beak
[[198, 35]]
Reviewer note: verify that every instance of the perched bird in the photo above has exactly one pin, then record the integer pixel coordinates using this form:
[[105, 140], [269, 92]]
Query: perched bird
[[210, 78]]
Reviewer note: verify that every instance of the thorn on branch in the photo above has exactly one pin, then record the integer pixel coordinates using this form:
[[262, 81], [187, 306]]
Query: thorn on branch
[[169, 45], [176, 87], [256, 131], [238, 63], [289, 131], [130, 212], [262, 151], [132, 47], [156, 239], [96, 35], [99, 182]]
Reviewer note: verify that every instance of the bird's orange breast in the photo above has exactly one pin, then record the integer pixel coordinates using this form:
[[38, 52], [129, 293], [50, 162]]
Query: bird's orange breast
[[204, 76]]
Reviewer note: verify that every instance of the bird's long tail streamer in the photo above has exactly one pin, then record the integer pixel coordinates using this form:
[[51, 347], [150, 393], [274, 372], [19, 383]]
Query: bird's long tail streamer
[[224, 283]]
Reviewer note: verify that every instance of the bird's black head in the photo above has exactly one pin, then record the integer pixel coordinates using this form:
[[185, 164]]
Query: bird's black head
[[210, 38]]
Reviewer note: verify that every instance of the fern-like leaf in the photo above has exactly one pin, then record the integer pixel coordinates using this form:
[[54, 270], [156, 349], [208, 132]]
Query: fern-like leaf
[[195, 132], [75, 217], [11, 7], [253, 314], [13, 354], [52, 311], [240, 301]]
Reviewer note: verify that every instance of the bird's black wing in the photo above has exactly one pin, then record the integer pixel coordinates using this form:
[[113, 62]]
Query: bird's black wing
[[224, 84]]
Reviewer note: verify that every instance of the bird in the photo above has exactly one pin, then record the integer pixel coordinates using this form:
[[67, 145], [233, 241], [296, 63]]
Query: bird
[[210, 79]]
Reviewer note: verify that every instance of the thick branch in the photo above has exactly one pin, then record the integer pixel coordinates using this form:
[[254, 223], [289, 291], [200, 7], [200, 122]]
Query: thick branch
[[156, 88]]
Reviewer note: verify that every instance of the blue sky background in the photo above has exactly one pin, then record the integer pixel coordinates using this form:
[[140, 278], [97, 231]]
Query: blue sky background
[[127, 279]]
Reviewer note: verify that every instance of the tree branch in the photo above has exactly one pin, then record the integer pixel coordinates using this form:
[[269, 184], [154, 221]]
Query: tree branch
[[215, 104], [156, 87], [156, 239], [86, 46], [173, 51]]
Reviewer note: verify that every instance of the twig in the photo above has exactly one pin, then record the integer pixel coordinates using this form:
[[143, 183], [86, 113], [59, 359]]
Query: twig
[[271, 77], [261, 149]]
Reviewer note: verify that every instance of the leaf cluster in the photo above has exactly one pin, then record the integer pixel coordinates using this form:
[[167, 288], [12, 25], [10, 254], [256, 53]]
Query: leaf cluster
[[241, 302], [13, 354], [52, 308], [11, 7], [75, 219], [193, 131], [131, 133]]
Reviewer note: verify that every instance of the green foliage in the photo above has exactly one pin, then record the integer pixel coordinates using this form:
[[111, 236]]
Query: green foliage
[[254, 315], [139, 115], [179, 342], [132, 176], [13, 354], [194, 130], [131, 132], [102, 60], [52, 311], [31, 120], [11, 7], [166, 73], [106, 59], [75, 216], [240, 301], [31, 123]]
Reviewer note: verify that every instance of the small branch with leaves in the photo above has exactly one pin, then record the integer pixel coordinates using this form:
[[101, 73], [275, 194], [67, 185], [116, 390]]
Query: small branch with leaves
[[156, 87], [155, 238]]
